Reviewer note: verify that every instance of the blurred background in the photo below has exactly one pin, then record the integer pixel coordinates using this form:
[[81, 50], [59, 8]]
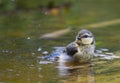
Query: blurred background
[[31, 28], [29, 18]]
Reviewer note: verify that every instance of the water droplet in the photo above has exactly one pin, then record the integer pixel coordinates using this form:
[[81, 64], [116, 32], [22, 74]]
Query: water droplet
[[28, 38], [45, 62], [45, 52], [104, 49], [39, 49], [33, 53]]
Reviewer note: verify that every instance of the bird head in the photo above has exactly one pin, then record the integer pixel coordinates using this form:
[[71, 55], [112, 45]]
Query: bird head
[[84, 37]]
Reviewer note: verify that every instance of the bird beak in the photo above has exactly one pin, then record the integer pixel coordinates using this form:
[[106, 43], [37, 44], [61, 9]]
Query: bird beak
[[79, 38]]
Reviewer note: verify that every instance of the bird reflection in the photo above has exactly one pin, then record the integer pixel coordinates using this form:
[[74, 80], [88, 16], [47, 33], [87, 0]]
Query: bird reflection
[[76, 72]]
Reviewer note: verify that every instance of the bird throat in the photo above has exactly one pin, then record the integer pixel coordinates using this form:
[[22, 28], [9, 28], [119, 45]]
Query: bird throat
[[87, 41]]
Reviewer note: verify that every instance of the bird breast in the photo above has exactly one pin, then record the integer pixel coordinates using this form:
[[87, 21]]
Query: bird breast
[[84, 52]]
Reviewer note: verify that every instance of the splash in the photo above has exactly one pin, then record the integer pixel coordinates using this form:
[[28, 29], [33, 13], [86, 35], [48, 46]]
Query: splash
[[105, 54], [59, 52]]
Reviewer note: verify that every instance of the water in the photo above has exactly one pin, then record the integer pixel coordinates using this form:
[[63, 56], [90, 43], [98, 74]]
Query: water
[[28, 67]]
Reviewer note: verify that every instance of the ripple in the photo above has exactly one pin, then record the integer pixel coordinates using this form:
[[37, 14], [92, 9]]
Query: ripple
[[45, 62]]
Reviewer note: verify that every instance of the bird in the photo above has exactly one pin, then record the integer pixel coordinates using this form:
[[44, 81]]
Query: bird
[[82, 49]]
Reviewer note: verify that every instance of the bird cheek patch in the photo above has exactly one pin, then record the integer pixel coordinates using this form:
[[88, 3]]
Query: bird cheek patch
[[87, 40]]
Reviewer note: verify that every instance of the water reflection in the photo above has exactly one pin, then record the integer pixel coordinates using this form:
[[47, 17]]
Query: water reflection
[[76, 72], [28, 67]]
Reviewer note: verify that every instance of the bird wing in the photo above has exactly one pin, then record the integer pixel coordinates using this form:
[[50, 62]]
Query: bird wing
[[71, 49]]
